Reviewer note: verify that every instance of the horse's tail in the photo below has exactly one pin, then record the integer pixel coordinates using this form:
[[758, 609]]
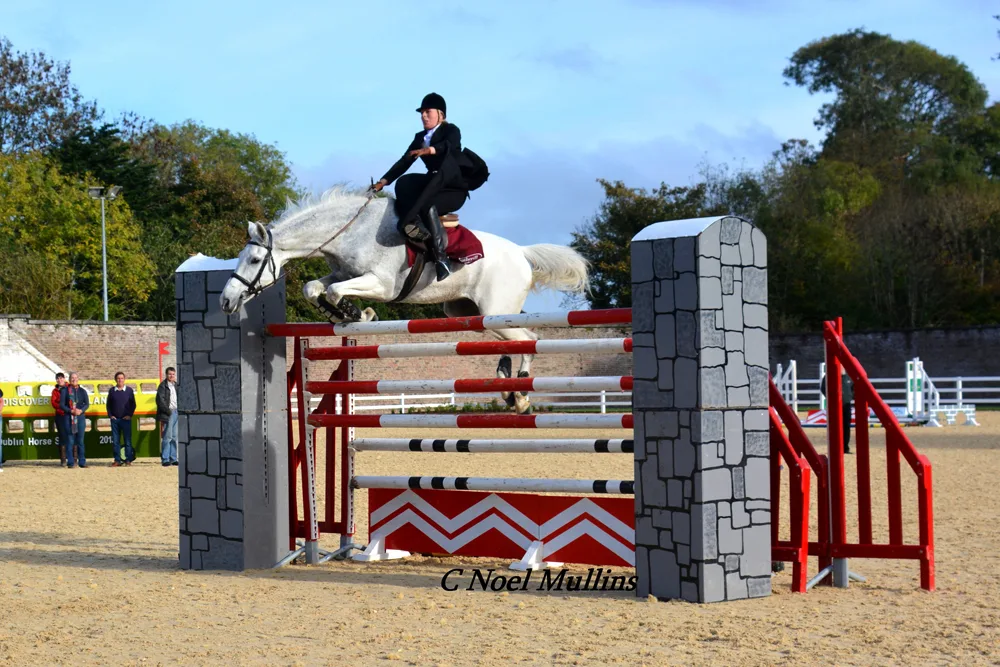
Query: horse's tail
[[557, 267]]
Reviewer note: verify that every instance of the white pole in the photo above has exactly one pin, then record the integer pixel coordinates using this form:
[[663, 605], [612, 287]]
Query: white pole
[[604, 402], [958, 391], [793, 367], [104, 261], [909, 390], [822, 397]]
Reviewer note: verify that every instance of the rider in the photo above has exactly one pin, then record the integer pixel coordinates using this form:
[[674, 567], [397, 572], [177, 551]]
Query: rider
[[422, 198]]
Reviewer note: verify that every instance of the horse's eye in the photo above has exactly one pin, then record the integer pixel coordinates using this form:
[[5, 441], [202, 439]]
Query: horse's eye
[[254, 260]]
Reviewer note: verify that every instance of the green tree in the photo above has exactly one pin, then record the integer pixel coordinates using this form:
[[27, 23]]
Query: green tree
[[889, 96], [38, 104], [604, 241], [48, 216], [34, 284], [908, 133]]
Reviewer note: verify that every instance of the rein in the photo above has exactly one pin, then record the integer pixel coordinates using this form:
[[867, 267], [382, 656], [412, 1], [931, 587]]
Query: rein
[[350, 222]]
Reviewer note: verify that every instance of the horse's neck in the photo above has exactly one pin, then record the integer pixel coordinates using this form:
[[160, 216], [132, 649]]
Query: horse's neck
[[324, 232]]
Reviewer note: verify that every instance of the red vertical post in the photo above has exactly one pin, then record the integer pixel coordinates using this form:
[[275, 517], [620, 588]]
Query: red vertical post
[[330, 475], [835, 439], [823, 529], [163, 349], [864, 465], [776, 479], [895, 493], [347, 457], [304, 443], [799, 511], [926, 520]]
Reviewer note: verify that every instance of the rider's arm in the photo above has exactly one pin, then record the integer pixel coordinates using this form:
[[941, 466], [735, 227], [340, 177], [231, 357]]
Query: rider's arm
[[448, 139], [404, 163]]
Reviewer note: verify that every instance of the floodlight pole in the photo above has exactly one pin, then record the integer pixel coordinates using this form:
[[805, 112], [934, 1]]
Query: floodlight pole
[[104, 260]]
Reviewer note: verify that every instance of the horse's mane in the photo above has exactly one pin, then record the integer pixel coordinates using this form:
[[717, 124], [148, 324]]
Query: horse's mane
[[312, 203]]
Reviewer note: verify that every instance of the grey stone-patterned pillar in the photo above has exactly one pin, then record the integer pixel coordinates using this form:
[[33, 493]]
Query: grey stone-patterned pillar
[[232, 429], [700, 401]]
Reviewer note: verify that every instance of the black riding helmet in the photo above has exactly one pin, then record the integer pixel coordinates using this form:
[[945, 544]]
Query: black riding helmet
[[433, 101]]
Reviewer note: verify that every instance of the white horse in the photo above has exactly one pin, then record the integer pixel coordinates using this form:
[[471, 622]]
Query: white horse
[[368, 260]]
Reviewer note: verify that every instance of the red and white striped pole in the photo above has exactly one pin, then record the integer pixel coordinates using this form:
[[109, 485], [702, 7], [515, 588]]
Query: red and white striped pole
[[575, 318], [587, 421], [474, 348], [471, 386]]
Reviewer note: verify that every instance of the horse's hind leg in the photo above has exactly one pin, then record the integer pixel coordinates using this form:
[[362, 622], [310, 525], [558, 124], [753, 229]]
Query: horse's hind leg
[[517, 400]]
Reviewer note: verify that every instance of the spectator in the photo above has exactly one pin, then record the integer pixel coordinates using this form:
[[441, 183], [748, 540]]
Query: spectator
[[1, 430], [847, 397], [62, 424], [121, 407], [75, 401], [166, 414]]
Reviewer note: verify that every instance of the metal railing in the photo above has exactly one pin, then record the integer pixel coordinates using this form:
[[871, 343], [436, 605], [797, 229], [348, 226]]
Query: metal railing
[[979, 390]]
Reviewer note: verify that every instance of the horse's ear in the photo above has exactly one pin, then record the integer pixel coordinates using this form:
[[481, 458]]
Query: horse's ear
[[257, 232]]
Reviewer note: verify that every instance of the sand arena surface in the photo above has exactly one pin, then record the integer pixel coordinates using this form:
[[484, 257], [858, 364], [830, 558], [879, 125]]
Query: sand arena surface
[[88, 575]]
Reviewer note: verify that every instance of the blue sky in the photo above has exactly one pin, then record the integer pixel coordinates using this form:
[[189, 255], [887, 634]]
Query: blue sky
[[553, 94]]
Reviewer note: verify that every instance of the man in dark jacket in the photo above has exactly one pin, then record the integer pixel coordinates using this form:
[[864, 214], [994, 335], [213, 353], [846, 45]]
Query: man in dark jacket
[[166, 414], [74, 401], [121, 407], [62, 423], [847, 398]]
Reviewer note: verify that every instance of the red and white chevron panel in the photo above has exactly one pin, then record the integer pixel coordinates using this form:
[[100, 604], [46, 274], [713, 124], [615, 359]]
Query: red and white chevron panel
[[469, 386], [472, 348], [489, 420], [818, 417], [573, 318], [592, 531]]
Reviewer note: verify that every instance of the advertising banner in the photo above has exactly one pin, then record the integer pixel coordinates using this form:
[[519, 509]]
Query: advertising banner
[[29, 427]]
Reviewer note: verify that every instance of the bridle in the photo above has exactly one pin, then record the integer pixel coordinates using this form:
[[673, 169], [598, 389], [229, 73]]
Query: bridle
[[253, 286]]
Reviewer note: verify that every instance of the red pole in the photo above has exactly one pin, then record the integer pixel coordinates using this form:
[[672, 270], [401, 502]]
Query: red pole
[[162, 350], [835, 439], [864, 465]]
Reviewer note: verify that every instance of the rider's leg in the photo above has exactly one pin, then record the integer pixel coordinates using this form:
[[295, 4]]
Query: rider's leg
[[439, 248], [409, 191], [445, 201]]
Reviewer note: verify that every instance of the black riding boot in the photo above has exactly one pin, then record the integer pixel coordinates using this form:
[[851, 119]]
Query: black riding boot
[[439, 246]]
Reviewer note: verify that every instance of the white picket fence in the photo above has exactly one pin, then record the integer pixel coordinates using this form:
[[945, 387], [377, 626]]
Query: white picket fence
[[596, 401], [916, 394]]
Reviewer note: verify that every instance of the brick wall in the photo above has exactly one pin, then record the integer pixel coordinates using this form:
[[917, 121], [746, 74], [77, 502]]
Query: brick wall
[[945, 352], [96, 349], [99, 349]]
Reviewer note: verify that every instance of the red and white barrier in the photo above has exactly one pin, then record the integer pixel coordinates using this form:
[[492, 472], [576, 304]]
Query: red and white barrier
[[613, 383], [473, 421], [530, 485], [538, 530], [575, 318], [472, 348], [566, 445], [532, 527]]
